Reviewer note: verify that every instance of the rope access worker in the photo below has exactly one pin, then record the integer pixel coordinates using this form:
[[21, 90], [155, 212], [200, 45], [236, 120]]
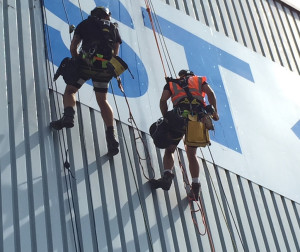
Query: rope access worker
[[188, 96], [101, 41]]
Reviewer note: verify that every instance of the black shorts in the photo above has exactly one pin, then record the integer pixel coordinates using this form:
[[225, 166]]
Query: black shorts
[[98, 73], [175, 137]]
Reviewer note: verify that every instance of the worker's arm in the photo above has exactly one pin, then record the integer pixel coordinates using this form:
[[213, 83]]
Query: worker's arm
[[211, 99], [166, 94], [116, 49], [74, 45]]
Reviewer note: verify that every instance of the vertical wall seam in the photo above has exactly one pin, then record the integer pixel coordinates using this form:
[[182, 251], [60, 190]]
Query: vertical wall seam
[[126, 168], [240, 230], [11, 123], [280, 222], [101, 184], [87, 179], [214, 205], [259, 217], [248, 213], [266, 207], [28, 157]]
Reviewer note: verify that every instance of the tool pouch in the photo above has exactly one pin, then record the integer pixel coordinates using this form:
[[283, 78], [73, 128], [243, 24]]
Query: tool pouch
[[196, 134], [69, 70], [117, 66]]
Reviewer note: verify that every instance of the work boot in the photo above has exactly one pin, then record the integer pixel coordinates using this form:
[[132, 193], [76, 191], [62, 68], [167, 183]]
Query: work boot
[[164, 182], [194, 192], [67, 121], [112, 143]]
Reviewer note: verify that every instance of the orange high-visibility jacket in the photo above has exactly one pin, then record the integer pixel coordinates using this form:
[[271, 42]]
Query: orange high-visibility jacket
[[195, 86]]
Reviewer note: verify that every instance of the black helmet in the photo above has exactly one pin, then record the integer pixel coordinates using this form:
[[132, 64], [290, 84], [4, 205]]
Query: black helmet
[[185, 72], [100, 12]]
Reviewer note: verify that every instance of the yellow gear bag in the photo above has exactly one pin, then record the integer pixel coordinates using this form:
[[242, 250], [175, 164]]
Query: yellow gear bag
[[119, 66], [196, 134]]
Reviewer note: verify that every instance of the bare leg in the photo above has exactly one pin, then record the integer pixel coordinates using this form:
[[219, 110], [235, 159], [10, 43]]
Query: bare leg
[[69, 98], [193, 161], [106, 110], [168, 159]]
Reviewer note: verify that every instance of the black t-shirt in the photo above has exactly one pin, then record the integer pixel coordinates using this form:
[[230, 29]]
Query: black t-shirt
[[92, 36]]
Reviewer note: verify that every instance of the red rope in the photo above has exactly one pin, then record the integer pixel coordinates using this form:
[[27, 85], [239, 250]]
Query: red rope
[[200, 207], [185, 178], [155, 37]]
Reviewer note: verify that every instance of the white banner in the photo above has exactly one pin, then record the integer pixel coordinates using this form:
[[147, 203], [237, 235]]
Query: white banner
[[258, 135]]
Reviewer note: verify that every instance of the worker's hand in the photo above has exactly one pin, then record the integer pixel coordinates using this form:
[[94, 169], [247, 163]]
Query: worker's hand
[[168, 79], [215, 116]]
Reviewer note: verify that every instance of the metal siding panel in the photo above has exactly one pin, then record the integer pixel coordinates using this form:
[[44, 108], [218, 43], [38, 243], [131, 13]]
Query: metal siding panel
[[229, 206], [209, 18], [89, 168], [43, 223], [262, 217], [181, 223], [295, 35], [252, 217], [272, 220], [242, 216], [201, 12], [113, 203], [217, 16], [288, 206], [142, 196], [251, 27], [14, 120], [30, 126], [212, 196], [192, 235], [162, 203], [278, 16], [77, 160], [226, 19], [293, 53], [283, 222], [243, 25], [263, 33], [4, 162], [271, 14]]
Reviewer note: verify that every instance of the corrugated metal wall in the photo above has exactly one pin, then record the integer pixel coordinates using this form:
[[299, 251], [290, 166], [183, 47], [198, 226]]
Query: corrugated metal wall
[[268, 27], [108, 205]]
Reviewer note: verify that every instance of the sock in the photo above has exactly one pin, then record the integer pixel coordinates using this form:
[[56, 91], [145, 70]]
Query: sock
[[196, 180], [69, 111]]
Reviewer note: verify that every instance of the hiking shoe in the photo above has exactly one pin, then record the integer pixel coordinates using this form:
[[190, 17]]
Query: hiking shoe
[[164, 182], [112, 143], [194, 192], [67, 121]]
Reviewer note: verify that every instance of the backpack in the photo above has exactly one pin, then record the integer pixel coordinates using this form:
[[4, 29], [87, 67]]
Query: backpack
[[105, 41]]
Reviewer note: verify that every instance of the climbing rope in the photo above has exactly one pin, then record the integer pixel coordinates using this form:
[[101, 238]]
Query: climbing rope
[[185, 178], [68, 175], [222, 210], [148, 231], [63, 147], [200, 205]]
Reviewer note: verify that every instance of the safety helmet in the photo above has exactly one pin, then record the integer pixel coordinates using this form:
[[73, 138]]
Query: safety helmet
[[100, 12], [185, 72]]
